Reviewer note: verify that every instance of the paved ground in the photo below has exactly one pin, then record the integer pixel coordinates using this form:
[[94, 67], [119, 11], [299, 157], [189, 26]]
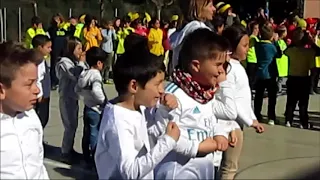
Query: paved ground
[[279, 153]]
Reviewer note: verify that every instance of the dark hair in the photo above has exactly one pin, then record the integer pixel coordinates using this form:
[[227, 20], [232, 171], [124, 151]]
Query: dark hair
[[35, 20], [281, 30], [218, 21], [87, 21], [234, 34], [138, 64], [71, 44], [153, 22], [252, 25], [133, 40], [266, 32], [95, 54], [40, 40], [12, 57], [202, 44], [191, 9]]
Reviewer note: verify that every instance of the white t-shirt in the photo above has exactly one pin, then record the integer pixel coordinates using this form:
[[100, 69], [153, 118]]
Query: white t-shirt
[[123, 149], [44, 82], [21, 147], [196, 121]]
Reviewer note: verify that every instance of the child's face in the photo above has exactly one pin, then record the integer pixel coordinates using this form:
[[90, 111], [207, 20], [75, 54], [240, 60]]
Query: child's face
[[45, 49], [156, 24], [22, 94], [207, 72], [207, 12], [152, 92], [242, 48], [78, 51], [284, 34], [256, 29]]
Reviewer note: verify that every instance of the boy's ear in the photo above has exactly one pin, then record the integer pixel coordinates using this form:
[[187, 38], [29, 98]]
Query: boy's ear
[[2, 92], [195, 65], [133, 86]]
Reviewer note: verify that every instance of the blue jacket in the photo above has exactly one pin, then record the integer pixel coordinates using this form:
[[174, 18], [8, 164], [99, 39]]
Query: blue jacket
[[266, 53]]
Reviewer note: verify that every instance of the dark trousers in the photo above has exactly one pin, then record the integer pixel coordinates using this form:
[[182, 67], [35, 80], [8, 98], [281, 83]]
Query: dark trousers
[[272, 88], [315, 72], [298, 89], [91, 124], [251, 72], [42, 109]]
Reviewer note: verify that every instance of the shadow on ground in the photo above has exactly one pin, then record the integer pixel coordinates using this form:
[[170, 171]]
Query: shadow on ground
[[75, 171]]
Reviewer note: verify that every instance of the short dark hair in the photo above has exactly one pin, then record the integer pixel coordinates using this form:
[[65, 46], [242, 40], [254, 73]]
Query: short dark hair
[[252, 25], [35, 20], [95, 54], [266, 32], [12, 57], [202, 44], [134, 40], [218, 21], [234, 34], [40, 40], [138, 64]]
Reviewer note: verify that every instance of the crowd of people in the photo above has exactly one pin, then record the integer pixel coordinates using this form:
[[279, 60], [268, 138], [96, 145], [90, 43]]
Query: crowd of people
[[192, 128]]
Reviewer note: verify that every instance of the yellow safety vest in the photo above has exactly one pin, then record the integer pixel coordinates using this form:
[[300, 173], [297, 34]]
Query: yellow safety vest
[[283, 62], [31, 32], [78, 31], [318, 57], [251, 56]]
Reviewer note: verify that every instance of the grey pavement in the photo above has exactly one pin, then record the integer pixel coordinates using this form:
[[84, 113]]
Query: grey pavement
[[279, 153]]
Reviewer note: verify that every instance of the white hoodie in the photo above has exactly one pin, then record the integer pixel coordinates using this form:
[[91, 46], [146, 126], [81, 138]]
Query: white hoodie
[[90, 87], [176, 39]]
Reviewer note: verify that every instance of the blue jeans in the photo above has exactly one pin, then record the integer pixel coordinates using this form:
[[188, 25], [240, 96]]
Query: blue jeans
[[91, 124]]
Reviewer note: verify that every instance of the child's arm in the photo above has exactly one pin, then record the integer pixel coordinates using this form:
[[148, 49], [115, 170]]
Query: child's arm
[[129, 164], [97, 91], [224, 107]]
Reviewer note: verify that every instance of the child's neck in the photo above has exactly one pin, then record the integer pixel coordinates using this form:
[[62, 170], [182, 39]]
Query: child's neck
[[6, 110], [128, 102]]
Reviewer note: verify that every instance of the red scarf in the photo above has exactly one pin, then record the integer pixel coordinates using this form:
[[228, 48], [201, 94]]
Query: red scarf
[[192, 88]]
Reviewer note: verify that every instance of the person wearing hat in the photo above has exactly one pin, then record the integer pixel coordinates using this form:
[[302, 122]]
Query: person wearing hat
[[225, 10]]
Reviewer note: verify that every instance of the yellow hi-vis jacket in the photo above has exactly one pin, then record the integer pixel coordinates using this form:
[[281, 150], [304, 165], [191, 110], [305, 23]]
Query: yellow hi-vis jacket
[[318, 57], [251, 56], [31, 32], [282, 63]]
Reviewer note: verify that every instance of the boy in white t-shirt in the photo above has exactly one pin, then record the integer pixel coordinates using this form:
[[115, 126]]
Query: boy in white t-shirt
[[42, 44], [21, 150], [123, 149]]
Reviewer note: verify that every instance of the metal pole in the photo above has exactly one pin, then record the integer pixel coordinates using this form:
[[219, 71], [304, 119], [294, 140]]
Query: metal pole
[[19, 25], [1, 24], [70, 12], [5, 24], [116, 12]]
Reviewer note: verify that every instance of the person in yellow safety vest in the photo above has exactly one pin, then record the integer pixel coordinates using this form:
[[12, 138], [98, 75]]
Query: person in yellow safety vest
[[282, 63], [315, 72], [34, 30], [122, 33], [251, 65]]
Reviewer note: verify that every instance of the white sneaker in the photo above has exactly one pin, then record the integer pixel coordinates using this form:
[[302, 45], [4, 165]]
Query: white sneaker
[[288, 124], [271, 122]]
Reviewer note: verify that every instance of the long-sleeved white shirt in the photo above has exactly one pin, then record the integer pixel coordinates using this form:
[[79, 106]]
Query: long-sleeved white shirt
[[124, 150], [90, 87], [21, 147], [238, 76], [44, 82], [196, 121]]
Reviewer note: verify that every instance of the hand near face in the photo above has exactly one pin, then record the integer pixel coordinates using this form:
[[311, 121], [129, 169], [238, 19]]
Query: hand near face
[[169, 100]]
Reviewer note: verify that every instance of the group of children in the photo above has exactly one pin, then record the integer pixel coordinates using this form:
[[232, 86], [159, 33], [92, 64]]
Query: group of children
[[190, 129], [270, 61]]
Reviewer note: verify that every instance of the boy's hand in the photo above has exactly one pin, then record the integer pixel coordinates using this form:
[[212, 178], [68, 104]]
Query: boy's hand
[[259, 128], [233, 138], [169, 100], [222, 143], [173, 130], [82, 57]]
